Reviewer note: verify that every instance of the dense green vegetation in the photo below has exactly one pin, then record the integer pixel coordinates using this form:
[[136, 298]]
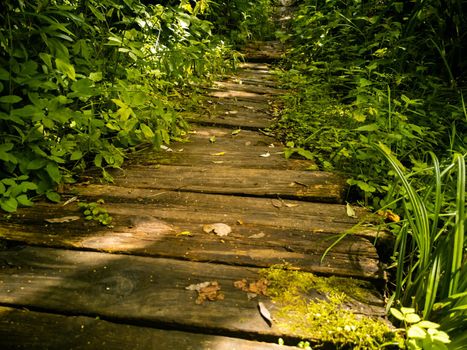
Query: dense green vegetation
[[378, 94], [84, 82]]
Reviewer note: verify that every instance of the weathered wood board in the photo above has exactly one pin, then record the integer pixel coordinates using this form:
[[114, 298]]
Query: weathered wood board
[[244, 78], [241, 148], [217, 178], [239, 95], [141, 290], [253, 88], [264, 232], [24, 329]]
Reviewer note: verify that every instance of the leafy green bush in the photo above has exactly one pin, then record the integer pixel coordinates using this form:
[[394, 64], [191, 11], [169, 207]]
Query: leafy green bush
[[82, 82], [369, 71]]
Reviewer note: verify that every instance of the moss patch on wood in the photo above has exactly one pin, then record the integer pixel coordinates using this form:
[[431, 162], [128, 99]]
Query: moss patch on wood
[[317, 309]]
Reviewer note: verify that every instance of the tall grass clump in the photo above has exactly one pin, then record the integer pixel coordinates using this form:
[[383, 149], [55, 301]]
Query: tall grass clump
[[430, 242]]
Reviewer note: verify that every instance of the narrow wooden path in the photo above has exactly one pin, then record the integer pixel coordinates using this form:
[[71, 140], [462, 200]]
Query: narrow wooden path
[[79, 285]]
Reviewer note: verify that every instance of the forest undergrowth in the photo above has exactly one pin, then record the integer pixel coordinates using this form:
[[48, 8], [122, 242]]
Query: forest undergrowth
[[85, 83], [377, 93]]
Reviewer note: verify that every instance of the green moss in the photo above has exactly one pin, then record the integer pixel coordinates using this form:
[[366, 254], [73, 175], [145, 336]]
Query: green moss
[[316, 308]]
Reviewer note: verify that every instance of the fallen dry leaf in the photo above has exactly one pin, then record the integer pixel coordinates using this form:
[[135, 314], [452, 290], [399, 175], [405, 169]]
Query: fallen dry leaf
[[219, 229], [291, 205], [258, 235], [167, 149], [236, 132], [389, 215], [276, 203], [265, 155], [198, 286], [259, 287], [265, 313], [241, 284], [185, 233], [207, 291], [62, 220], [350, 211], [218, 154], [212, 139], [218, 162], [71, 200]]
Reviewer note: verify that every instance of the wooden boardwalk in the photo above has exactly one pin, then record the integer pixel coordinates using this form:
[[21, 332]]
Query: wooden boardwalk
[[80, 285]]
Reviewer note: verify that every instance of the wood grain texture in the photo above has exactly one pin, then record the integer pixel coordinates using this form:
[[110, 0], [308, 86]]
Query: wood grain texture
[[149, 290], [23, 329], [311, 186], [265, 232], [244, 149], [253, 88]]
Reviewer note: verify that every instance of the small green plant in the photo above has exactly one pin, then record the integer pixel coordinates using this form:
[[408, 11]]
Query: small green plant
[[420, 334], [94, 211]]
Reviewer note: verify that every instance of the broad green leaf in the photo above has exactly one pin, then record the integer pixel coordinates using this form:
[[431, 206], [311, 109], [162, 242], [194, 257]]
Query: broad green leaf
[[95, 76], [54, 172], [397, 314], [53, 196], [98, 160], [46, 58], [407, 310], [119, 103], [5, 156], [6, 147], [147, 132], [2, 188], [368, 127], [24, 200], [66, 68], [4, 74], [416, 332], [428, 324], [8, 204], [10, 99], [412, 318], [305, 153], [8, 182], [84, 87], [76, 155]]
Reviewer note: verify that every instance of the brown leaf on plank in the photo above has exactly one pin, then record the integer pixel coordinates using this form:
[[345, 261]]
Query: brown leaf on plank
[[207, 291]]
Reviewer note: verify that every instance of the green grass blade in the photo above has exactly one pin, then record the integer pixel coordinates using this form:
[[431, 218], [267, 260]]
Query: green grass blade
[[458, 238]]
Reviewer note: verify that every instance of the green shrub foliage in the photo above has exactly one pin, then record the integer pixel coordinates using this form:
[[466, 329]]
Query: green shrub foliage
[[82, 82], [367, 71]]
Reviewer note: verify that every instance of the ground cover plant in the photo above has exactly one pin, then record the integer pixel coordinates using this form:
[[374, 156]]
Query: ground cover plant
[[378, 94]]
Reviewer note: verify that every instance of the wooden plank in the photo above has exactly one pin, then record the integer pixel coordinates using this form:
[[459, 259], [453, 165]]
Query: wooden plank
[[239, 95], [237, 119], [254, 88], [243, 149], [23, 329], [149, 223], [145, 290], [255, 66], [311, 186], [253, 79]]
